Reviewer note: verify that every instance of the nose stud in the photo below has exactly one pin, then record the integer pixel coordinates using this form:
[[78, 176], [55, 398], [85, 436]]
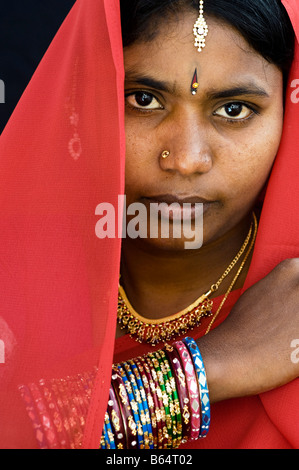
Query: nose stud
[[165, 154]]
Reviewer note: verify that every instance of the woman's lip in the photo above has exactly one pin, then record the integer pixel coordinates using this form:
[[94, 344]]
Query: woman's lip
[[178, 209], [170, 199]]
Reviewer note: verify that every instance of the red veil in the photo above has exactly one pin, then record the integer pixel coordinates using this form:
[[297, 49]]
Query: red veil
[[62, 154]]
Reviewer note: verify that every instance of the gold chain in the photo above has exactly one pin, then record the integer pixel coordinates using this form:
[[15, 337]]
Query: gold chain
[[236, 276], [215, 287], [156, 330]]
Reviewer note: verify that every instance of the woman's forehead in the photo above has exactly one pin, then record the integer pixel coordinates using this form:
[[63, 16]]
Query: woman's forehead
[[171, 57]]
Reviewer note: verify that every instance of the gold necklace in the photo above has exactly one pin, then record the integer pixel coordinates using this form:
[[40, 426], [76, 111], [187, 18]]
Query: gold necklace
[[236, 276], [163, 329]]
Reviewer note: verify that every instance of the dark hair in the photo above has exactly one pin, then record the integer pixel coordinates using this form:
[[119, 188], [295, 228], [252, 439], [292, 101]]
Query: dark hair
[[263, 23]]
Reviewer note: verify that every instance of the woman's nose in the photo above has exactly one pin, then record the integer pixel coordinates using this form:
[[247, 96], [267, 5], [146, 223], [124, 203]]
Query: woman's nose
[[189, 149]]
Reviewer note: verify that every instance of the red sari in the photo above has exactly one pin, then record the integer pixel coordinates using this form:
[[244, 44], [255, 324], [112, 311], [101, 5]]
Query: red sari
[[62, 154]]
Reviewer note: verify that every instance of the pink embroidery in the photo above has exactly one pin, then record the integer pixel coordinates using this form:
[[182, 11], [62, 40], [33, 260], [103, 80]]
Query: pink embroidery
[[74, 144], [75, 147]]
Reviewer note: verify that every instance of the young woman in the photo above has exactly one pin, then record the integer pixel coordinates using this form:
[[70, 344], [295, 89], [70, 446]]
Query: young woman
[[201, 127]]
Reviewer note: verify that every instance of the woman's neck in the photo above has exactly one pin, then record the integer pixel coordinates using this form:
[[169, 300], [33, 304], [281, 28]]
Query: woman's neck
[[160, 283]]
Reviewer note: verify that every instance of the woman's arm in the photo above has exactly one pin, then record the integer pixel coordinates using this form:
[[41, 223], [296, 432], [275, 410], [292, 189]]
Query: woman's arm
[[251, 351]]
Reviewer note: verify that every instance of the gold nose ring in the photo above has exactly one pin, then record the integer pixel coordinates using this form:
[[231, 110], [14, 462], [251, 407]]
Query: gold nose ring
[[165, 154]]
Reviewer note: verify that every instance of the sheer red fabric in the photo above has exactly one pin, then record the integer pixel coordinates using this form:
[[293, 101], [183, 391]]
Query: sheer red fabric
[[62, 154]]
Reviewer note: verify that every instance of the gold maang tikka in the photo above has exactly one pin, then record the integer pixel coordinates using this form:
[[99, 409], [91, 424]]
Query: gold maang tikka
[[200, 29]]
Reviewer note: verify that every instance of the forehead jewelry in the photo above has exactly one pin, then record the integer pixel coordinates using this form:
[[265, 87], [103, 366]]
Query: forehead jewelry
[[200, 29], [165, 154], [194, 84]]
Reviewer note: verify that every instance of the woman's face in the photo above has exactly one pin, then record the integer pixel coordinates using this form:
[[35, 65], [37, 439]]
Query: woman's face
[[222, 140]]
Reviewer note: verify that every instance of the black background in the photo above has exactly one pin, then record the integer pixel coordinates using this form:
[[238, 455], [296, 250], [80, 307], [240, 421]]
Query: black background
[[26, 30]]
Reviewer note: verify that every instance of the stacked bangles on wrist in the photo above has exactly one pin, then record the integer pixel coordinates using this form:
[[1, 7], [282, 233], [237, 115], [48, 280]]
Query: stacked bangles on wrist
[[158, 401]]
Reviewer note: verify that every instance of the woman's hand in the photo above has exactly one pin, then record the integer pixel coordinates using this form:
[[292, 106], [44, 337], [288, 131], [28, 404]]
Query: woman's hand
[[252, 351]]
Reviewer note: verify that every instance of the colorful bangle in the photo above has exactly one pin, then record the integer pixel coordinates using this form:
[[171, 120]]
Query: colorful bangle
[[55, 413], [102, 441], [44, 416], [125, 409], [183, 395], [192, 386], [56, 390], [73, 388], [165, 398], [105, 439], [157, 401], [150, 401], [161, 411], [84, 400], [144, 402], [69, 410], [34, 416], [138, 400], [168, 389], [109, 432], [176, 402], [158, 405], [116, 420], [134, 407], [203, 386]]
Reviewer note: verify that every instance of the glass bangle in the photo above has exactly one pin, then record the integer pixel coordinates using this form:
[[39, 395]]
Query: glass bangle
[[32, 412], [105, 439], [125, 409], [116, 420], [203, 386], [165, 437], [72, 417], [138, 400], [134, 407], [156, 401], [145, 377], [165, 398], [158, 405], [54, 415], [61, 405], [102, 441], [183, 395], [176, 402], [109, 432], [192, 386], [168, 389], [85, 400], [144, 402]]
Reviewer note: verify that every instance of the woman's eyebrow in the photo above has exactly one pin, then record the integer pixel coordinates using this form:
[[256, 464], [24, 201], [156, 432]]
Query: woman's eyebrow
[[250, 89], [150, 82], [239, 90]]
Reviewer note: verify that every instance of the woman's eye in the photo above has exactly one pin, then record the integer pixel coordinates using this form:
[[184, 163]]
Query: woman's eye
[[234, 111], [143, 100]]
